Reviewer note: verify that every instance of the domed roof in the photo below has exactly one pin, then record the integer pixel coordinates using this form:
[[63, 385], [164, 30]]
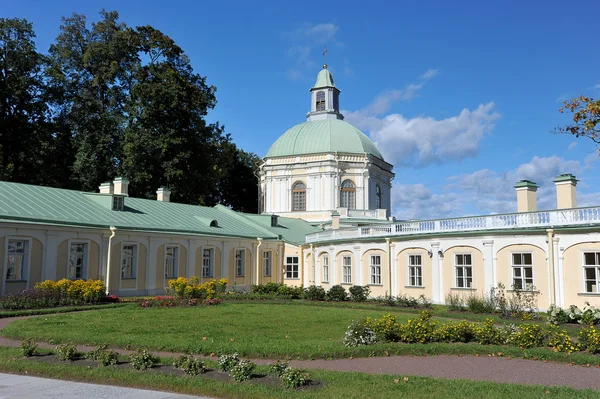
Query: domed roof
[[323, 136], [324, 79]]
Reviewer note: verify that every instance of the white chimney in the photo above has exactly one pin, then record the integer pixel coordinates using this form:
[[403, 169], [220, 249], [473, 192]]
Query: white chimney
[[121, 185], [163, 194], [526, 196], [566, 196], [106, 188]]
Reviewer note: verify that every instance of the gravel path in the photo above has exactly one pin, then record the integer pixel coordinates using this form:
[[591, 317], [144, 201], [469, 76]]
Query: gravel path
[[483, 368]]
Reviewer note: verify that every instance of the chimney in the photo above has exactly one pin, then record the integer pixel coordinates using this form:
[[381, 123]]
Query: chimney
[[526, 196], [274, 221], [565, 191], [106, 188], [163, 194], [335, 220], [121, 185]]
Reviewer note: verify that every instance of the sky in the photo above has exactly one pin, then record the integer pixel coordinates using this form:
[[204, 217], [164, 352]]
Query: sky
[[461, 96]]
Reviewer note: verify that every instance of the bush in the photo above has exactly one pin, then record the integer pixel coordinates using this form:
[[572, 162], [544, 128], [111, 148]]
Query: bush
[[227, 362], [589, 315], [28, 347], [359, 334], [66, 352], [589, 339], [387, 300], [291, 292], [359, 293], [50, 293], [456, 332], [406, 301], [186, 288], [190, 365], [557, 315], [528, 336], [481, 304], [278, 367], [108, 358], [294, 378], [386, 328], [559, 340], [337, 293], [419, 330], [142, 359], [455, 301], [95, 353], [242, 371], [315, 293], [268, 288]]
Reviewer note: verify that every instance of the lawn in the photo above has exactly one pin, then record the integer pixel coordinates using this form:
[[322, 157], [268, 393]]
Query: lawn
[[331, 384]]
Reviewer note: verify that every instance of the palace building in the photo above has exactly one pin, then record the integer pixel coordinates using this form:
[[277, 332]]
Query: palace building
[[326, 220]]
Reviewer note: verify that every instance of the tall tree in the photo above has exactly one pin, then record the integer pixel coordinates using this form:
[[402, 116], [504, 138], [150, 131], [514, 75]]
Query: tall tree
[[25, 138], [586, 118], [238, 186]]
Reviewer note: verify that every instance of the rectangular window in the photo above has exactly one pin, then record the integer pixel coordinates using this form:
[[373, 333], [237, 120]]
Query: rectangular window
[[325, 269], [591, 270], [128, 260], [267, 263], [171, 261], [415, 271], [77, 260], [347, 270], [240, 262], [208, 261], [291, 267], [118, 203], [16, 260], [375, 269], [464, 270], [522, 269]]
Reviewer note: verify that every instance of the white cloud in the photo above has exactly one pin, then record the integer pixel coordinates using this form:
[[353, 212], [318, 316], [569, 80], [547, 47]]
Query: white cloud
[[307, 38], [572, 146], [415, 201], [429, 74], [294, 74]]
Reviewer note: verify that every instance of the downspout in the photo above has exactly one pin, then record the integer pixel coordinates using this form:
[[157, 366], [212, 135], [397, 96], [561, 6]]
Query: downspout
[[551, 265], [314, 263], [389, 252], [302, 266], [113, 231], [258, 261]]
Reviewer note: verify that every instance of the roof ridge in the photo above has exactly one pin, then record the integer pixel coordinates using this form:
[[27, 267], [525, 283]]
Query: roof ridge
[[246, 220]]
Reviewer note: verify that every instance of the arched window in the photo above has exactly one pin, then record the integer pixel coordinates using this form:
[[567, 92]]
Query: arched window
[[348, 197], [320, 101], [299, 196], [378, 196]]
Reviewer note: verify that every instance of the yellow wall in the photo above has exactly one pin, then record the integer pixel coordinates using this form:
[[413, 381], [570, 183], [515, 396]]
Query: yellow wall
[[291, 250], [449, 274], [274, 265], [540, 269], [574, 277], [376, 289], [426, 270], [62, 260]]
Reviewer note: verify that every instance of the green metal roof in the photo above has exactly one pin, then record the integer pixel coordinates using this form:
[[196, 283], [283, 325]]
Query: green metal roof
[[526, 183], [291, 230], [324, 136], [566, 177], [47, 205], [324, 79]]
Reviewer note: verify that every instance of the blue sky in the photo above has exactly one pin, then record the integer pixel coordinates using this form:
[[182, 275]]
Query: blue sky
[[461, 96]]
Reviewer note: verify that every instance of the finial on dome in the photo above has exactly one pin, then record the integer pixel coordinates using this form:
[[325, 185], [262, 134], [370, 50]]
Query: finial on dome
[[324, 66], [325, 58]]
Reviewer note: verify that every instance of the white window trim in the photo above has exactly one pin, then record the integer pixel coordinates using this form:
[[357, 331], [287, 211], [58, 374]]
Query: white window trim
[[512, 266], [86, 266], [408, 266], [235, 252], [325, 256], [27, 261], [269, 251], [212, 261], [285, 265], [176, 266], [343, 266], [583, 267], [455, 266], [137, 265], [372, 266]]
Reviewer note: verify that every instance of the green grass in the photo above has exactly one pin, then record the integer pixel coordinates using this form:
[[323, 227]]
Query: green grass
[[333, 384], [64, 309]]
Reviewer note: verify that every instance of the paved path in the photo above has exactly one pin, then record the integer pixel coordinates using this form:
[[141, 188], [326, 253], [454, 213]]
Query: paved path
[[483, 368], [23, 387]]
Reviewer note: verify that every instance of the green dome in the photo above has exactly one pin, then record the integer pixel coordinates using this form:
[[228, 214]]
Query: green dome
[[323, 136], [324, 79]]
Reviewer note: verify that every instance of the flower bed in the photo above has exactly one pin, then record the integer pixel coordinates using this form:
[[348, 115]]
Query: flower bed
[[186, 288], [166, 301]]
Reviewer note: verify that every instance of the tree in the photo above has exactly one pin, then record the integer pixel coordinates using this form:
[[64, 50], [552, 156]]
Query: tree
[[238, 186], [25, 138], [586, 118]]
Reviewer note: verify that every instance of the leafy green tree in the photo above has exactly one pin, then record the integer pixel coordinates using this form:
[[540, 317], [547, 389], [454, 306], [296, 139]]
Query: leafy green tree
[[586, 118], [238, 186]]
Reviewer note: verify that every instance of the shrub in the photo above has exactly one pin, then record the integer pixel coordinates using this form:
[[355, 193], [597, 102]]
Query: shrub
[[294, 378], [386, 328], [559, 340], [182, 287], [315, 293], [589, 339], [268, 288], [66, 352], [359, 293], [359, 334], [337, 293], [278, 367], [523, 302], [387, 300], [589, 315], [487, 333], [456, 332], [94, 354], [419, 330], [481, 303], [557, 315], [108, 358], [407, 301], [142, 359], [290, 291], [455, 301], [242, 371], [227, 362], [528, 336], [190, 365], [28, 347]]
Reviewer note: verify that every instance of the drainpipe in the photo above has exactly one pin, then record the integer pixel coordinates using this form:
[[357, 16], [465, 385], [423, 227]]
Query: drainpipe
[[301, 261], [551, 264], [314, 263], [258, 261], [113, 231], [389, 252]]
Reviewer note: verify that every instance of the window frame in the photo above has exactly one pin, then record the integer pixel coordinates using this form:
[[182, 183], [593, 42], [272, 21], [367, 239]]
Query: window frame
[[595, 267], [267, 266], [325, 267], [240, 269], [348, 194], [26, 265], [375, 270], [417, 268], [521, 267], [289, 267], [176, 257], [301, 193], [464, 268], [346, 269], [211, 262], [378, 197], [86, 258], [135, 257], [320, 102]]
